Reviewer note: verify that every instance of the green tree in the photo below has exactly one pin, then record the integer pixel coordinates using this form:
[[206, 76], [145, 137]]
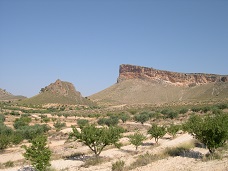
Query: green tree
[[142, 118], [210, 130], [97, 138], [173, 129], [157, 132], [38, 153], [136, 139], [124, 117]]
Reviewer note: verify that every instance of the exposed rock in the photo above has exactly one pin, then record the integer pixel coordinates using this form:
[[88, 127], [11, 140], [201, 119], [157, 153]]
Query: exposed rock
[[61, 88], [127, 72]]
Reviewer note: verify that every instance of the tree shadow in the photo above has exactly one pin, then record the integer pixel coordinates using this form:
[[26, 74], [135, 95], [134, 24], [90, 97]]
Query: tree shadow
[[148, 144]]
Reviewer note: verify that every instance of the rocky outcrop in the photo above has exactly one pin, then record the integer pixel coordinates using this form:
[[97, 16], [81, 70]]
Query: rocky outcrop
[[181, 79], [61, 88], [59, 92]]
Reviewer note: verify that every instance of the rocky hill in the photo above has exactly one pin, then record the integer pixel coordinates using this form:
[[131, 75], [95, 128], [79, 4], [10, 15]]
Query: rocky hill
[[60, 92], [4, 95], [181, 79], [137, 84]]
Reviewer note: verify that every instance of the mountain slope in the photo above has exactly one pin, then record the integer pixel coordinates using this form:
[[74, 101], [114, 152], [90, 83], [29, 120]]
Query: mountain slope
[[59, 92], [146, 85], [4, 95]]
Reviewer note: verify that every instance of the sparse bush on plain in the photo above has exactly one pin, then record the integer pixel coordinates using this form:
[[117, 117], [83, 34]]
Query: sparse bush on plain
[[59, 125], [144, 160], [118, 166], [82, 122]]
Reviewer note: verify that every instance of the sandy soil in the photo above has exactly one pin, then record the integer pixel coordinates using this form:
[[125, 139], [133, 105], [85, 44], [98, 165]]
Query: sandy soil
[[127, 153]]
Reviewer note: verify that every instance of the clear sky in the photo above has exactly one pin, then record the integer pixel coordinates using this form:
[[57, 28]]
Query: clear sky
[[84, 42]]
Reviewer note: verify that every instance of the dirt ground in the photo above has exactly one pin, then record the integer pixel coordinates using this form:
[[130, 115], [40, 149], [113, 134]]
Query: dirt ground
[[128, 155]]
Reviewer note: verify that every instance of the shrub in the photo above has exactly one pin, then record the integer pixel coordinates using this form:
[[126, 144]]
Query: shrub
[[4, 142], [31, 132], [9, 164], [183, 111], [144, 160], [2, 118], [157, 132], [124, 117], [111, 121], [59, 125], [82, 122], [22, 121], [118, 165]]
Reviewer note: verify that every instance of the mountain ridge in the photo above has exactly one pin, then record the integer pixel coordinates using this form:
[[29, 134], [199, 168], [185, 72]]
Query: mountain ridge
[[137, 84]]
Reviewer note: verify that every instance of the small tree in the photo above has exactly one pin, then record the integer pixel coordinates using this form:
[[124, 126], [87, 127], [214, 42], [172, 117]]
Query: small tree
[[97, 138], [142, 118], [136, 139], [211, 130], [173, 129], [157, 132], [124, 117], [38, 154]]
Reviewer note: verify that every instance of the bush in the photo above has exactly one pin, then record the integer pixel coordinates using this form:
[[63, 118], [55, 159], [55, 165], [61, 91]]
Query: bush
[[144, 160], [4, 142], [124, 117], [168, 113], [2, 118], [183, 111], [82, 122], [59, 125], [9, 164], [118, 165], [31, 132], [111, 121], [22, 121]]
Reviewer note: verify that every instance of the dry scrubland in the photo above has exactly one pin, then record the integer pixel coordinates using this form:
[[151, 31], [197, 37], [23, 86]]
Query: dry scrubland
[[179, 151]]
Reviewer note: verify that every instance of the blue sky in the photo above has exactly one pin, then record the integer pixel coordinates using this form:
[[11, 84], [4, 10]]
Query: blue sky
[[84, 42]]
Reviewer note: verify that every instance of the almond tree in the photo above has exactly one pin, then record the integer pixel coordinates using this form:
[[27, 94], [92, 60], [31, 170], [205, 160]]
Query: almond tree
[[157, 132], [97, 138]]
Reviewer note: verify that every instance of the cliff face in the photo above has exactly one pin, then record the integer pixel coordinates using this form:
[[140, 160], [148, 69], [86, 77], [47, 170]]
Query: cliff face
[[181, 79]]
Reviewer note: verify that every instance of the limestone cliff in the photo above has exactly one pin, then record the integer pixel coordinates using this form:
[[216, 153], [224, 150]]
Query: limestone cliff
[[127, 72]]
